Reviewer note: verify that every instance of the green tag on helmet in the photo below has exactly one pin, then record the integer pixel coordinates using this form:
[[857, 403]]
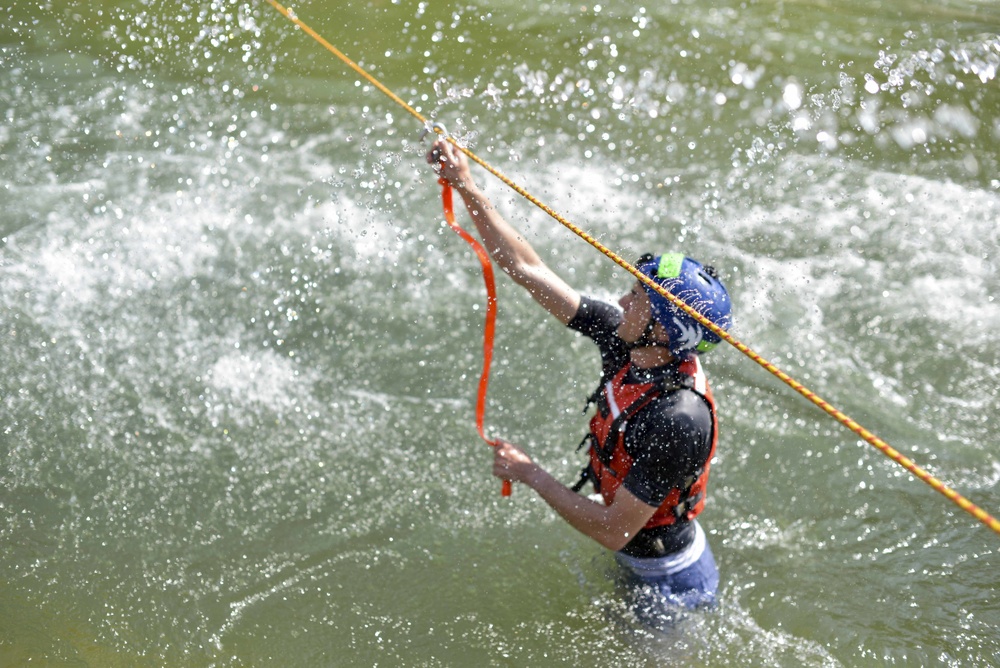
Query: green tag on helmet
[[670, 265], [704, 346]]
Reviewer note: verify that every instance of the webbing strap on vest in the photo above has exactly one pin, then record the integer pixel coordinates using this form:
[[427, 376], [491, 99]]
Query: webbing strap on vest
[[618, 424]]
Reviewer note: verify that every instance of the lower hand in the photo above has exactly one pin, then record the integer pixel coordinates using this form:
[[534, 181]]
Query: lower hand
[[511, 463]]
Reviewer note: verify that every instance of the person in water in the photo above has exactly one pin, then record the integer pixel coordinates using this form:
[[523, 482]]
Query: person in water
[[654, 431]]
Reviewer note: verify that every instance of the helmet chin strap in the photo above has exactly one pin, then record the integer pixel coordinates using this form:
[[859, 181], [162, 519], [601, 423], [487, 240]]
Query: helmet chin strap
[[647, 340]]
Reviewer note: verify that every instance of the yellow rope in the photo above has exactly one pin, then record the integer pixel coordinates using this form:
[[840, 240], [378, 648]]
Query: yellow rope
[[836, 414]]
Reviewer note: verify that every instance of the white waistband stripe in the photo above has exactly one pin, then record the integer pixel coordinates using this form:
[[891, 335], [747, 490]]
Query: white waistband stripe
[[670, 564]]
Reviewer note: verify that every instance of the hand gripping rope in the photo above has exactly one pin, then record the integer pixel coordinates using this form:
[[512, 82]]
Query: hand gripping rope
[[836, 414]]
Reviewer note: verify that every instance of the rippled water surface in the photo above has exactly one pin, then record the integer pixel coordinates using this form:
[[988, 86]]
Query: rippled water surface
[[240, 349]]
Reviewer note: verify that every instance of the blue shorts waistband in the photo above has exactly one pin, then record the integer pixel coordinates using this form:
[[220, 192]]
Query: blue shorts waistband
[[669, 564]]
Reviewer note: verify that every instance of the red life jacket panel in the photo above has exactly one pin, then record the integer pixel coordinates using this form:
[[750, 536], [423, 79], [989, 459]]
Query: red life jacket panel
[[610, 461]]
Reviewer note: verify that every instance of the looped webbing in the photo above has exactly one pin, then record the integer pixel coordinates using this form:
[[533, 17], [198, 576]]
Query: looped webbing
[[489, 330]]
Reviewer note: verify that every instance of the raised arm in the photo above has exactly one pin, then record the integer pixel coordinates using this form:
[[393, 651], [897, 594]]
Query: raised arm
[[505, 244]]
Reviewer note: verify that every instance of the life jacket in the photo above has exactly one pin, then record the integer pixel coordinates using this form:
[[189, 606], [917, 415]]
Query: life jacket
[[617, 402]]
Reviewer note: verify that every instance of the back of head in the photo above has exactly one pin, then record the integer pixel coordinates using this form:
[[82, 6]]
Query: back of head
[[699, 287]]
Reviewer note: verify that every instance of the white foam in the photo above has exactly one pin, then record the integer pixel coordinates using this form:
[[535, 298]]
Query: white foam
[[261, 377]]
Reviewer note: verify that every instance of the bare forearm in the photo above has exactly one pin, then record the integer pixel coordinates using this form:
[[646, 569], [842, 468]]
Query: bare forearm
[[507, 246], [594, 520], [612, 526]]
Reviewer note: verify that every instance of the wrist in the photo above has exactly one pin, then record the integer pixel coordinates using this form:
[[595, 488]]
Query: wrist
[[534, 477], [470, 192]]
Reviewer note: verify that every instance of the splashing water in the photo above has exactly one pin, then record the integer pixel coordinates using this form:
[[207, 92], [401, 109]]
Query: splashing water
[[240, 346]]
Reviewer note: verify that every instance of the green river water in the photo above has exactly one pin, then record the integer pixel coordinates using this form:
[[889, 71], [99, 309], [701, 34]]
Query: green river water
[[240, 349]]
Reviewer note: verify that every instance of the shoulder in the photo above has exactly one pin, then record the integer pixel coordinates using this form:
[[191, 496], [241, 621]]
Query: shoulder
[[682, 403], [594, 317], [599, 322], [669, 440], [677, 419]]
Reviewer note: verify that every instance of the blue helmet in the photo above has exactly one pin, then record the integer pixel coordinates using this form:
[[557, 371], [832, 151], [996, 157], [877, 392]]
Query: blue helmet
[[696, 285]]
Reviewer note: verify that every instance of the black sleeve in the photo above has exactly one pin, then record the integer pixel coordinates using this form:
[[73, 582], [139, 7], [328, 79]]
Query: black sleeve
[[599, 321], [669, 442]]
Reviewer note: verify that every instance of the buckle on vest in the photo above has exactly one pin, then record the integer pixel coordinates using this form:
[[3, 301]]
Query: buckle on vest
[[586, 474], [683, 507]]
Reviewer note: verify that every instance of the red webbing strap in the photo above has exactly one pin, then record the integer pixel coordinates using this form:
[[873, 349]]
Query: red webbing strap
[[491, 314]]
